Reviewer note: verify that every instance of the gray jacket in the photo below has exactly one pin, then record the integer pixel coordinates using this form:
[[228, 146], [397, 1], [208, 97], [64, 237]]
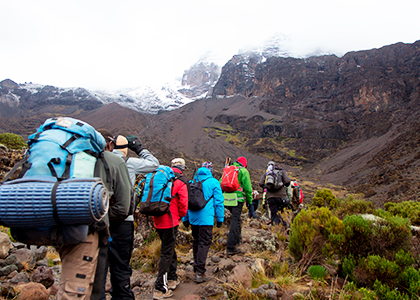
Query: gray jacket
[[143, 164]]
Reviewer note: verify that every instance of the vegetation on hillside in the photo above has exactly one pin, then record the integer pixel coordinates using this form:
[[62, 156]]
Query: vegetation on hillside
[[12, 140]]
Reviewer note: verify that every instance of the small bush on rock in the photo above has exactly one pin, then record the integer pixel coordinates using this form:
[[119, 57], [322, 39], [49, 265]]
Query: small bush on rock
[[12, 140], [352, 206]]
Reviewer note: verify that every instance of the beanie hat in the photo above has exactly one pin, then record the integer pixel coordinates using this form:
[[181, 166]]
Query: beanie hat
[[208, 165], [121, 143], [242, 160], [179, 163]]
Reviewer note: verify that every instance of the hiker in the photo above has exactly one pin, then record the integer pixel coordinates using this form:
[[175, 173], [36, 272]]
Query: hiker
[[80, 261], [202, 220], [275, 180], [122, 233], [167, 228], [243, 194], [254, 206]]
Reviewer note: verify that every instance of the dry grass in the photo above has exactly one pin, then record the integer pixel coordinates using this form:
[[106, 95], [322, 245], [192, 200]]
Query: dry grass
[[149, 254]]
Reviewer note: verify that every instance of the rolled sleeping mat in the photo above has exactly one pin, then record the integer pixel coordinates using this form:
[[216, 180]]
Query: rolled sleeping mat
[[29, 202]]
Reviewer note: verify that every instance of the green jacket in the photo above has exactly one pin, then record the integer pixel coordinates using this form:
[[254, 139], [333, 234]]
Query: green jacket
[[245, 183]]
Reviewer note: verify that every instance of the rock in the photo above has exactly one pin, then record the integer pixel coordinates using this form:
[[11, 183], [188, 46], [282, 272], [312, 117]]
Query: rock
[[33, 291], [7, 270], [216, 259], [12, 260], [255, 224], [18, 245], [191, 297], [211, 289], [43, 275], [56, 261], [5, 245], [25, 256], [226, 264], [42, 262], [13, 274], [272, 294], [241, 274], [40, 252], [20, 278]]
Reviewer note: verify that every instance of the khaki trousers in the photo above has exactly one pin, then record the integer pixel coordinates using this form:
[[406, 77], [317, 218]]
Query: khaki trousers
[[78, 269]]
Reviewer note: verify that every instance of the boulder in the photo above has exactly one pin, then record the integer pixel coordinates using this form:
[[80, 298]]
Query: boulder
[[33, 291], [241, 274], [4, 245], [20, 278], [43, 275]]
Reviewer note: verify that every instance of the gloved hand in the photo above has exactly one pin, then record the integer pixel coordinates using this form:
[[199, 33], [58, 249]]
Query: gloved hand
[[186, 223], [134, 144], [219, 224]]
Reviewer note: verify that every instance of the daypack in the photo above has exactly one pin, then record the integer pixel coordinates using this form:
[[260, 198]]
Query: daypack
[[230, 182], [156, 196], [58, 167], [196, 200], [274, 179], [300, 193]]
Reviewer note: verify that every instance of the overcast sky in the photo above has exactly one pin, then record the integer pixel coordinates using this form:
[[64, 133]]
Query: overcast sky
[[102, 44]]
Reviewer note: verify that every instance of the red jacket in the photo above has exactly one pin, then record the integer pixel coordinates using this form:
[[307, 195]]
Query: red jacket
[[178, 206]]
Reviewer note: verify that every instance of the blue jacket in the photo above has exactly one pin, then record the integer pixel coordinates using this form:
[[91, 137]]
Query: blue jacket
[[215, 207]]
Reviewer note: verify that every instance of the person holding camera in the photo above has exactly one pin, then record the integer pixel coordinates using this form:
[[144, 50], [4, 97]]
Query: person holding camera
[[122, 233], [274, 181]]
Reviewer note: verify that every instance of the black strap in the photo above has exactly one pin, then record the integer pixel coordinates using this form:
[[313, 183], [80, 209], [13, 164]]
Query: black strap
[[74, 137], [52, 161], [13, 170], [101, 156], [66, 173], [54, 202]]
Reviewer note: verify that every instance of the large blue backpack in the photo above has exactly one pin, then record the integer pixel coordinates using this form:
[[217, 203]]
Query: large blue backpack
[[56, 189], [156, 196]]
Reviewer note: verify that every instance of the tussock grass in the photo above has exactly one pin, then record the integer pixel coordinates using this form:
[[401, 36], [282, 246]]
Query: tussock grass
[[147, 258]]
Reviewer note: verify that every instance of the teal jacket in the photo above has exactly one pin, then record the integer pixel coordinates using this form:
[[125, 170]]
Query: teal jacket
[[245, 182]]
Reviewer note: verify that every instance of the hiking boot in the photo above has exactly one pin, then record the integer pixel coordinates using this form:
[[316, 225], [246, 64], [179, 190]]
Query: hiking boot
[[172, 284], [200, 278], [158, 295], [233, 251]]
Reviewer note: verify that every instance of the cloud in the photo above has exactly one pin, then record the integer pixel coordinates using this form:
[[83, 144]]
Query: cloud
[[108, 44]]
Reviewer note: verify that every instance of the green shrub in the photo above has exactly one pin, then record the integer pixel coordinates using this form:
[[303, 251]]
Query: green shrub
[[310, 232], [349, 263], [12, 140], [405, 209], [353, 206], [363, 237], [384, 292], [317, 272], [410, 279], [324, 197]]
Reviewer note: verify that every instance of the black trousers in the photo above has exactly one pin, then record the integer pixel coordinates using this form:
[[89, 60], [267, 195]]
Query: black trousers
[[276, 204], [202, 238], [119, 256], [168, 258], [234, 236]]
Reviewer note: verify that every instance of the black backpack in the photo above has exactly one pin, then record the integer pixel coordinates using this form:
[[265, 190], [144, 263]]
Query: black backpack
[[274, 180], [196, 200]]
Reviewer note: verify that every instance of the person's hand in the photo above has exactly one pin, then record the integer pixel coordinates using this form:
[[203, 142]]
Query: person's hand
[[186, 224], [219, 224], [134, 144]]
